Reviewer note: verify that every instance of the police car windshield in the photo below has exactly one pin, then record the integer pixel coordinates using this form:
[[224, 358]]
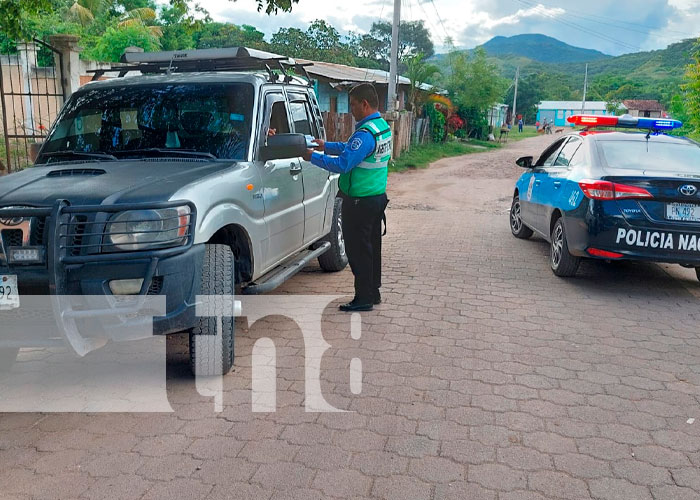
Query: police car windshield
[[660, 156], [171, 119]]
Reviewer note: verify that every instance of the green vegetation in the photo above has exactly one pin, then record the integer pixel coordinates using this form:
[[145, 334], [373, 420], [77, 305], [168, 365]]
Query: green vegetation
[[654, 74], [422, 155]]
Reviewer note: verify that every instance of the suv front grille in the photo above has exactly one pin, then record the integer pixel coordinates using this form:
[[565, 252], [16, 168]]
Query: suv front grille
[[12, 238], [75, 235], [156, 286], [38, 236]]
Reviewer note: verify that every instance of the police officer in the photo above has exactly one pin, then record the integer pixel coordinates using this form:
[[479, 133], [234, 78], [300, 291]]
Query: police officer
[[362, 163]]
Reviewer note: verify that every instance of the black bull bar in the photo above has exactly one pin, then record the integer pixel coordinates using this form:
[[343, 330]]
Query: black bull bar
[[63, 254]]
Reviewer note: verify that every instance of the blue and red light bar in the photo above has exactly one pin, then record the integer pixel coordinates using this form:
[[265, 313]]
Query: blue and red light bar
[[625, 121]]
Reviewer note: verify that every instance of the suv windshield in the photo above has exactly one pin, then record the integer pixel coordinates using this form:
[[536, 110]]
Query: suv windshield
[[155, 120], [656, 156]]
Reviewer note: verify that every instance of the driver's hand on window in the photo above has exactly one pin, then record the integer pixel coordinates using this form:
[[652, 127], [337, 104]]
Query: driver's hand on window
[[271, 132]]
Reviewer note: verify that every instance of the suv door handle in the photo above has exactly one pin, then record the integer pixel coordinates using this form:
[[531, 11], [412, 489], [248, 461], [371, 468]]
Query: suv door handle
[[537, 182], [295, 168], [557, 184]]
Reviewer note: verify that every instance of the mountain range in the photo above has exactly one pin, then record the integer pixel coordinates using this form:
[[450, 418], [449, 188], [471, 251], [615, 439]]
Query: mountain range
[[655, 74], [540, 48]]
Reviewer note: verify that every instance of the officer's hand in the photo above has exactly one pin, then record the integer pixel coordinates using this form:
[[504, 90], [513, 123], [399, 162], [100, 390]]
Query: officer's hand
[[321, 144], [307, 154]]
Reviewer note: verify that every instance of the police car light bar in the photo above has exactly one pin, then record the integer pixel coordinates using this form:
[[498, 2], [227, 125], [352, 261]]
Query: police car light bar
[[625, 121]]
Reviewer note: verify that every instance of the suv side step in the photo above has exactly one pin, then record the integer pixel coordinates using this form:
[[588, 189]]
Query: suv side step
[[283, 272]]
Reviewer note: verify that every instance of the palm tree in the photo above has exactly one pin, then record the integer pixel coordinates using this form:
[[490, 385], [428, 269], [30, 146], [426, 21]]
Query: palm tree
[[419, 72], [85, 12]]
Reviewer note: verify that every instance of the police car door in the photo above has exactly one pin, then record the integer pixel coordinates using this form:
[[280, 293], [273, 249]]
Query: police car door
[[553, 185], [536, 195], [283, 192], [315, 180]]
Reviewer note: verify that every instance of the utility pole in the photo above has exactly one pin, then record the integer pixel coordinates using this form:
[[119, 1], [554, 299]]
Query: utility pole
[[585, 88], [394, 62], [515, 96]]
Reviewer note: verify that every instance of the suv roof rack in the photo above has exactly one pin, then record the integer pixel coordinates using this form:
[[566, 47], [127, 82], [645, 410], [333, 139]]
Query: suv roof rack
[[196, 60]]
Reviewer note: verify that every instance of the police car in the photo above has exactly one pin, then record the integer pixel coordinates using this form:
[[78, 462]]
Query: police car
[[629, 192]]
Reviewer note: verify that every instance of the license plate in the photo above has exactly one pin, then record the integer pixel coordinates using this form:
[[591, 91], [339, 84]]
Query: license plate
[[685, 212], [9, 295]]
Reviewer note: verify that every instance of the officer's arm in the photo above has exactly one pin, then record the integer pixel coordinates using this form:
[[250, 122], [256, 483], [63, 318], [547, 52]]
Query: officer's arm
[[335, 148], [359, 147]]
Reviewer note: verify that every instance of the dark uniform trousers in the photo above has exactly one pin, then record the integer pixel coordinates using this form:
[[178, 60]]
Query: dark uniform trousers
[[362, 230]]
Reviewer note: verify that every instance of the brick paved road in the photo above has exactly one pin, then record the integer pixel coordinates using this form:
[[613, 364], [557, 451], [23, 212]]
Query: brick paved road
[[485, 377]]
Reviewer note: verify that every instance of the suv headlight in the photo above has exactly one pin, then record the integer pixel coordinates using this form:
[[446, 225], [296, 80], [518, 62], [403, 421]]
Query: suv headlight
[[148, 229]]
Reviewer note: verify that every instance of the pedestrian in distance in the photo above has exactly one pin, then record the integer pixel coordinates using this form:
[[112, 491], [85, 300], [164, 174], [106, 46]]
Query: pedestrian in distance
[[363, 165], [520, 125]]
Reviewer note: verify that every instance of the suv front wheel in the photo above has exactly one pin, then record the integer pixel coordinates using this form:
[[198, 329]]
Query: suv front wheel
[[211, 341], [335, 259]]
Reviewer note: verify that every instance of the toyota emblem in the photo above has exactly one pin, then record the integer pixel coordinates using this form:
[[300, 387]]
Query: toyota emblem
[[688, 190]]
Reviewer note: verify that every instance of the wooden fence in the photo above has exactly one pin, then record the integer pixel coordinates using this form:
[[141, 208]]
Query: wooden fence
[[340, 126]]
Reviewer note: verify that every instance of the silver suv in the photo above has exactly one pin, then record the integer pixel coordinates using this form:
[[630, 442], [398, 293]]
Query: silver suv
[[178, 184]]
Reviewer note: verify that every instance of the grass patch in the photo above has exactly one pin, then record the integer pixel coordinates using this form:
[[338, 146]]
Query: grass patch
[[528, 131], [424, 154]]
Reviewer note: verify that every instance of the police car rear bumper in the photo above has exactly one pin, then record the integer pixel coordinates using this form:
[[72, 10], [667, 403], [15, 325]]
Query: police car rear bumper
[[674, 246]]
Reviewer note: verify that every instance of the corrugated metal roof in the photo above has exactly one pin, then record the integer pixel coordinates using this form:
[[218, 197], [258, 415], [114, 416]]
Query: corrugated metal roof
[[574, 105], [342, 73], [643, 104]]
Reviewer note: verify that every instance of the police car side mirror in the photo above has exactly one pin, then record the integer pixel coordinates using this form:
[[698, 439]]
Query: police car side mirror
[[281, 146], [525, 161]]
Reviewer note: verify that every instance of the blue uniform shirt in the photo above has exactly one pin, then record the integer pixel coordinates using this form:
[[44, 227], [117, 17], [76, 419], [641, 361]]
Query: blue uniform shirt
[[341, 157]]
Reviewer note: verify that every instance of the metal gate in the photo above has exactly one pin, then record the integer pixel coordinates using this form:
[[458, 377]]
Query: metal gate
[[31, 94]]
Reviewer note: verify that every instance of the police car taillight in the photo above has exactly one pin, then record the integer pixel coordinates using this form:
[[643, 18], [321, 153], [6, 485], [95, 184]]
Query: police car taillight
[[606, 190]]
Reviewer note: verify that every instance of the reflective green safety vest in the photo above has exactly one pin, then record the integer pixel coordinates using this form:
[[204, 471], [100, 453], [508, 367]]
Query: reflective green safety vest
[[369, 177]]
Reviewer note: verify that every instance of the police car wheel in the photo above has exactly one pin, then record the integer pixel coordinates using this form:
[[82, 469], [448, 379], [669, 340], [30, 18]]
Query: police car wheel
[[211, 340], [335, 259], [517, 227], [563, 263]]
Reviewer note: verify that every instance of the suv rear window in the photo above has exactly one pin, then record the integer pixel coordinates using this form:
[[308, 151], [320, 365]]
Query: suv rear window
[[656, 156], [205, 118]]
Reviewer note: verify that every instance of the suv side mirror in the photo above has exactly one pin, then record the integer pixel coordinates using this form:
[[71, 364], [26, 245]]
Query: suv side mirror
[[283, 146], [525, 162]]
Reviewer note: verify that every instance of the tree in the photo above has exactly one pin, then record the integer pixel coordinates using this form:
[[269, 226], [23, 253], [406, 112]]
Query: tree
[[15, 15], [414, 38], [320, 42], [419, 72], [111, 45], [475, 86], [530, 94], [218, 35], [692, 91]]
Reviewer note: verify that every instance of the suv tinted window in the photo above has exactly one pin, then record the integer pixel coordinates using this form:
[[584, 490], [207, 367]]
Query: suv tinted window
[[654, 156], [300, 118], [207, 118]]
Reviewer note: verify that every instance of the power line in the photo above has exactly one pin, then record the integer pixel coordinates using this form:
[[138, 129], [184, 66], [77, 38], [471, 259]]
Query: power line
[[597, 34], [584, 15]]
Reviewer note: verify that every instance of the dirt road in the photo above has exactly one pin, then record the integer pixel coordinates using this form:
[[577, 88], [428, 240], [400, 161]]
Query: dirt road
[[481, 183]]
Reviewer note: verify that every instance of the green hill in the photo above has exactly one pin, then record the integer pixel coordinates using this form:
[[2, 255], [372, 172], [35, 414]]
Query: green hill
[[653, 74], [540, 48]]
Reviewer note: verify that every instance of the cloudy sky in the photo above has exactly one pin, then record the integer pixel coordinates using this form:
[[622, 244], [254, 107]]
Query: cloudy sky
[[611, 26]]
